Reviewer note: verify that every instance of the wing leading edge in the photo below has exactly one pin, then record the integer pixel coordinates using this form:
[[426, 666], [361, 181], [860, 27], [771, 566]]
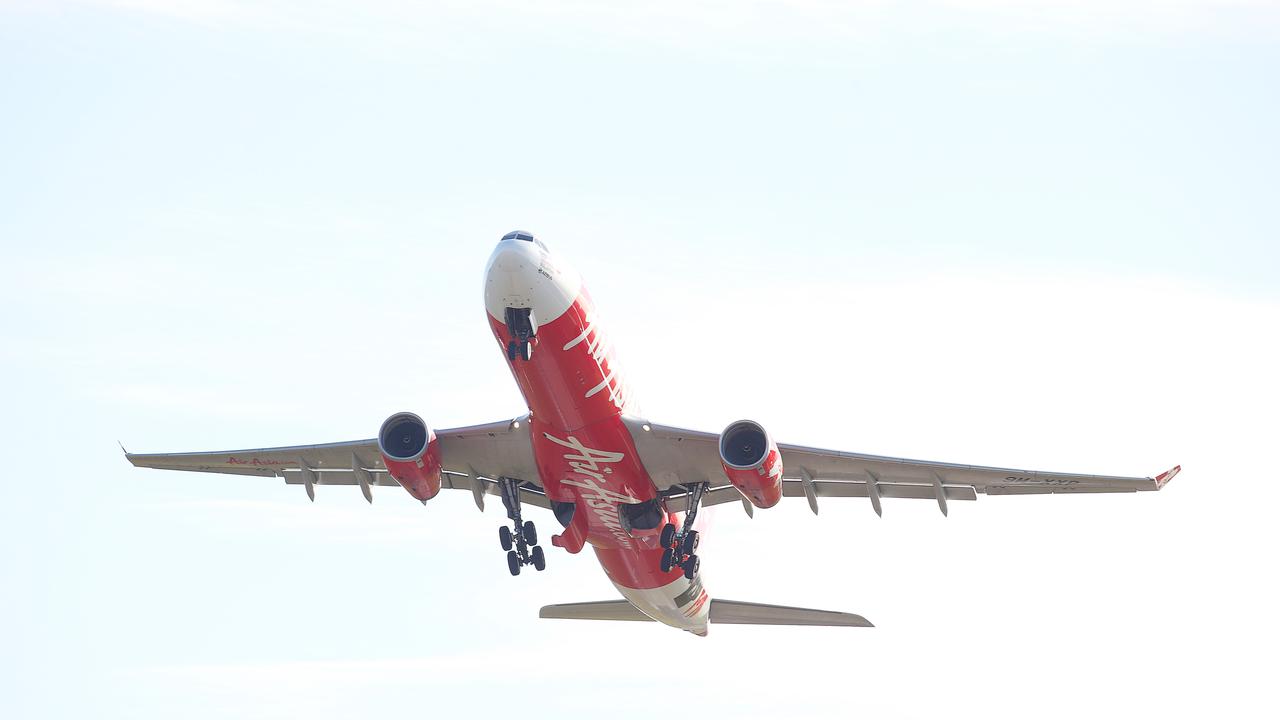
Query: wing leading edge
[[472, 457], [690, 456]]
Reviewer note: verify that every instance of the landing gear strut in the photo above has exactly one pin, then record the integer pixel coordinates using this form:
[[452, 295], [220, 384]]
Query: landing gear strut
[[681, 546], [523, 329], [520, 541]]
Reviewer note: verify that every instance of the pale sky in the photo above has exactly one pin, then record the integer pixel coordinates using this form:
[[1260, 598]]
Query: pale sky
[[1036, 234]]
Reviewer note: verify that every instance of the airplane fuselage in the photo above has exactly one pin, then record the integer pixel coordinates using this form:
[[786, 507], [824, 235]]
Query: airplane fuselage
[[586, 456]]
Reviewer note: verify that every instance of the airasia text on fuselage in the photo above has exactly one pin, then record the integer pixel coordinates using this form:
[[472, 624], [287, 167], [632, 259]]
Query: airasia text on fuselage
[[593, 466]]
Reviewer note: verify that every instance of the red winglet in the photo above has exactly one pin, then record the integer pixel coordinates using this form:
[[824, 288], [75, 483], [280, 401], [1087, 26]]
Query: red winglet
[[1163, 478]]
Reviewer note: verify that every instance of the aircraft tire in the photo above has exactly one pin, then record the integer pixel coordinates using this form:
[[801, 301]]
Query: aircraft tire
[[691, 567], [513, 562], [668, 560], [690, 544]]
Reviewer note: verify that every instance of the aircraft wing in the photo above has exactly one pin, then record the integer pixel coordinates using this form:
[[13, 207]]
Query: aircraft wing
[[675, 456], [472, 458]]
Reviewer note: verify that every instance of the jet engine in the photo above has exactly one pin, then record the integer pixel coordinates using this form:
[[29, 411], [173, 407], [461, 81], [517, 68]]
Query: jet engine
[[752, 462], [411, 454]]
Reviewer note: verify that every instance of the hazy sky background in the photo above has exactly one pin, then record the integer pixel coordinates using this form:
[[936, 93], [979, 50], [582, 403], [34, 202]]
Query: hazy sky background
[[1038, 234]]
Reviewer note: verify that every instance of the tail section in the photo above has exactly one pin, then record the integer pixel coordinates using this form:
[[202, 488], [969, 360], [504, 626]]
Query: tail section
[[723, 612]]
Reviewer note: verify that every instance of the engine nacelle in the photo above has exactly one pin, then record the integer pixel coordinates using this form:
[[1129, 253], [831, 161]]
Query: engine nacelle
[[752, 462], [412, 454]]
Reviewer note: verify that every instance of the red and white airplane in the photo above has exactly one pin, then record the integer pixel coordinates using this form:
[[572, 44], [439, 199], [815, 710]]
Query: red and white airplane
[[629, 488]]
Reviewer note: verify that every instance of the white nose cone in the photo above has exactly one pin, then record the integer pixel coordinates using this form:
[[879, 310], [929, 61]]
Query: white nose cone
[[523, 274]]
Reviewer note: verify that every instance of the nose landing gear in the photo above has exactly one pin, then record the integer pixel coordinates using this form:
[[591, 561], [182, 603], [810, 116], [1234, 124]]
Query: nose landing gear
[[681, 546], [520, 541], [523, 329], [522, 350]]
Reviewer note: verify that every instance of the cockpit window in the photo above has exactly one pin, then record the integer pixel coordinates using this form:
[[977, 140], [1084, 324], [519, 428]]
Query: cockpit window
[[525, 236]]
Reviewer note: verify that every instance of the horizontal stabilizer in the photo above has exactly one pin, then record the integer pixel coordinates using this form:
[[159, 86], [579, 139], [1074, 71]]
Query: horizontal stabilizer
[[723, 612], [732, 612], [602, 610]]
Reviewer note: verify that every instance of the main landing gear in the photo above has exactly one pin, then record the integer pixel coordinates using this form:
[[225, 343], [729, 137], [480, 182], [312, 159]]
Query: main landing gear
[[521, 541], [523, 329], [681, 547]]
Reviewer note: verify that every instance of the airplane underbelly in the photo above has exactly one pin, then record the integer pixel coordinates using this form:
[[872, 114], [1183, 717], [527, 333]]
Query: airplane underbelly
[[584, 452], [564, 364], [597, 469], [572, 378]]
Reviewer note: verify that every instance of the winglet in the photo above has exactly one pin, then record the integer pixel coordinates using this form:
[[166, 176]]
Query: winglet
[[133, 459], [1163, 478]]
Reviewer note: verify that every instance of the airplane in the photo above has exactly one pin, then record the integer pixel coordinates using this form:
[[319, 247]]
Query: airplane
[[629, 488]]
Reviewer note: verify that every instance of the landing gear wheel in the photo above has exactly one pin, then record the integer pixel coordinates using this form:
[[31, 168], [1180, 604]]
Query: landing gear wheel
[[668, 537], [523, 328], [681, 544], [668, 560], [690, 544], [691, 566], [520, 540]]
